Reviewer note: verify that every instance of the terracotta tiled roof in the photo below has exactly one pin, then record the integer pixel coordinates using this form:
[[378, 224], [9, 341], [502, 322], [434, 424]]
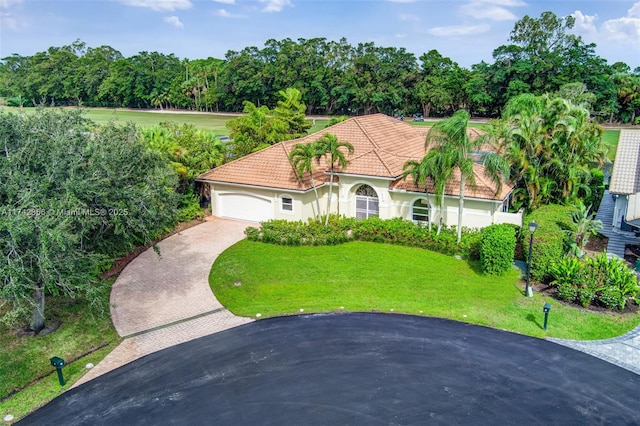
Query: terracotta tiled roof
[[485, 188], [625, 178], [381, 147]]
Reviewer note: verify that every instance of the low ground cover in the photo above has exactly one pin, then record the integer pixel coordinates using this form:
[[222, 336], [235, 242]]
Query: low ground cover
[[253, 277], [28, 379]]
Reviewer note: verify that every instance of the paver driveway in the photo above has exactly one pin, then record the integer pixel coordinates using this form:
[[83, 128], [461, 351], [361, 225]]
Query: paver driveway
[[162, 300]]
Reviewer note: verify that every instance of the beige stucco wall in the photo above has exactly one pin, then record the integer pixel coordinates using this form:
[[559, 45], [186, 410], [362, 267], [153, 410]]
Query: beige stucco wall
[[477, 213]]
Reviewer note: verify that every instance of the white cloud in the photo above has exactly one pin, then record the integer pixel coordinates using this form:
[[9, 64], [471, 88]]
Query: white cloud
[[223, 13], [401, 35], [8, 22], [491, 9], [626, 28], [275, 5], [159, 5], [225, 1], [459, 30], [585, 24], [6, 4], [173, 20]]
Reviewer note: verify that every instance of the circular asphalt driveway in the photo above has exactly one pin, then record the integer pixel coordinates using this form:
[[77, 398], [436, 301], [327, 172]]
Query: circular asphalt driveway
[[355, 369]]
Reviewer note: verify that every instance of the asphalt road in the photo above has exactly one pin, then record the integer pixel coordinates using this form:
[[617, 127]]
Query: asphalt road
[[358, 369]]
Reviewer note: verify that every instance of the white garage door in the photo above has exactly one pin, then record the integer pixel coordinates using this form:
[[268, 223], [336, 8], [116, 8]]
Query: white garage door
[[244, 207]]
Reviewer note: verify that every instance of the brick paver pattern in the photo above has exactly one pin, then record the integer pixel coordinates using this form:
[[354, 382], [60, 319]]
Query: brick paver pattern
[[163, 300]]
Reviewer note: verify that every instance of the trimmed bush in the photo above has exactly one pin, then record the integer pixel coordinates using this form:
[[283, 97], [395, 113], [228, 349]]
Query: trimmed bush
[[497, 249], [392, 231], [550, 241]]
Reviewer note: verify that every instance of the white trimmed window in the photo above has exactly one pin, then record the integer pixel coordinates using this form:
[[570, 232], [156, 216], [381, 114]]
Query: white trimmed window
[[286, 204], [367, 204], [420, 211]]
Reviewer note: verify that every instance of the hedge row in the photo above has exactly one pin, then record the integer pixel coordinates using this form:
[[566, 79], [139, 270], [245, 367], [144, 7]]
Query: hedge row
[[550, 241], [391, 231]]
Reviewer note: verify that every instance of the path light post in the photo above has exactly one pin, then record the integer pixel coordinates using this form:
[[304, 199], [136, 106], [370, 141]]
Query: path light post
[[58, 363], [532, 229], [546, 309]]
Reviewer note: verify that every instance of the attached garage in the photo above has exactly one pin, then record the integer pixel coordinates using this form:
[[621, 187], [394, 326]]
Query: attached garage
[[244, 207]]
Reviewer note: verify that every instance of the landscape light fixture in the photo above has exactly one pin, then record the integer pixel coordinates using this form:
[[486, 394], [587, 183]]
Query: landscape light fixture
[[58, 363], [532, 229], [546, 309]]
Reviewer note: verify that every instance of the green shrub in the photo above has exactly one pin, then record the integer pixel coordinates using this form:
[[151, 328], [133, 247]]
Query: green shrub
[[189, 208], [340, 230], [498, 245], [551, 239], [595, 280], [567, 291]]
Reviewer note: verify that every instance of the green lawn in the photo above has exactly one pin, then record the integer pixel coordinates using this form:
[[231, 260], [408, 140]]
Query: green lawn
[[24, 361], [370, 277], [610, 140], [216, 122]]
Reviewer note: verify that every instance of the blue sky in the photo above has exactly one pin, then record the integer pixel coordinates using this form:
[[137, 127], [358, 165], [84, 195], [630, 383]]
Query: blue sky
[[467, 31]]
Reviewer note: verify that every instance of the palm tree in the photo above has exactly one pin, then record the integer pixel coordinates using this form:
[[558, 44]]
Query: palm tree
[[449, 138], [302, 157], [586, 226], [551, 145], [329, 145], [432, 166]]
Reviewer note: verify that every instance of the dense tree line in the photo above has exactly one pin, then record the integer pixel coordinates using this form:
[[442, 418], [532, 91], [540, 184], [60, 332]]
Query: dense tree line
[[334, 77]]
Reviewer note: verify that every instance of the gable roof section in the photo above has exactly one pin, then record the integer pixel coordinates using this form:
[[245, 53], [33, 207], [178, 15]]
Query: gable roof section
[[381, 144], [625, 178]]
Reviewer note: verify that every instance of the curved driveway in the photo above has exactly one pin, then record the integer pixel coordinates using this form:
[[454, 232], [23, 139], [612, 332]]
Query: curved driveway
[[161, 300]]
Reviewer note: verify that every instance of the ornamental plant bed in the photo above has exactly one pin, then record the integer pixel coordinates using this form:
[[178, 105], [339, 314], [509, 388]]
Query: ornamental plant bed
[[631, 307]]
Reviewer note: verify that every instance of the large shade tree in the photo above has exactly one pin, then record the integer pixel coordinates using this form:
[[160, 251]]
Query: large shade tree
[[73, 196]]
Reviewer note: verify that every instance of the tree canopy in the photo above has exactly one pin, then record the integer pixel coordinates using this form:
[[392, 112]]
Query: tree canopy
[[74, 196], [333, 77]]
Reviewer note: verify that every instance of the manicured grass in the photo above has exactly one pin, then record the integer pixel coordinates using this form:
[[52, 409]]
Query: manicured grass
[[25, 364], [360, 276], [213, 122], [206, 121], [610, 140]]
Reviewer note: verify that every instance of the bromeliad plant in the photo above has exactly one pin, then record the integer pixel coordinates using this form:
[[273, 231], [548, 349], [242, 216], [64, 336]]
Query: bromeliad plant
[[596, 280]]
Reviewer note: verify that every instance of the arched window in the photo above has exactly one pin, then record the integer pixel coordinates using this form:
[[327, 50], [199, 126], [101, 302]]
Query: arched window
[[366, 202], [420, 211]]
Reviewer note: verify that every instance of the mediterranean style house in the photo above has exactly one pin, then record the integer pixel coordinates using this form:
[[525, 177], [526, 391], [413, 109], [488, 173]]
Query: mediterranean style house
[[625, 181], [264, 185]]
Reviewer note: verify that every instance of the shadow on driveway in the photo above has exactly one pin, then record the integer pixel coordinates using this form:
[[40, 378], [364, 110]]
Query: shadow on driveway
[[355, 369]]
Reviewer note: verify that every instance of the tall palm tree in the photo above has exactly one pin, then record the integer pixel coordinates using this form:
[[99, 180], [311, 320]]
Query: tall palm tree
[[449, 138], [551, 145], [432, 166], [329, 146], [302, 158]]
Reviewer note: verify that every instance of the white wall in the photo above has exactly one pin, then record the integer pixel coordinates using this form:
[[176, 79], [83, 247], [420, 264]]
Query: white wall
[[477, 213]]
